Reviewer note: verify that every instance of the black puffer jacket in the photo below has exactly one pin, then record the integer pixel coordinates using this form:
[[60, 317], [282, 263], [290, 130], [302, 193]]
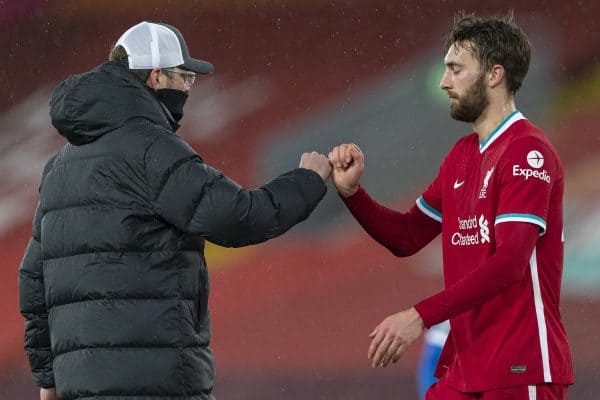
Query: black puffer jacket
[[114, 285]]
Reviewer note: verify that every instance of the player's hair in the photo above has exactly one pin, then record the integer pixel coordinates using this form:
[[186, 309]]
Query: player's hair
[[496, 40], [119, 55]]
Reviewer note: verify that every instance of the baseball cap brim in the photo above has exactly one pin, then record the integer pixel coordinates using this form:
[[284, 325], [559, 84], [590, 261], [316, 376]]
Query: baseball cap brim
[[189, 63], [198, 66]]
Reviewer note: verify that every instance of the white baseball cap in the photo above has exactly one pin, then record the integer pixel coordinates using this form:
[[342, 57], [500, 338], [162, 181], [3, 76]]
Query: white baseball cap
[[150, 45]]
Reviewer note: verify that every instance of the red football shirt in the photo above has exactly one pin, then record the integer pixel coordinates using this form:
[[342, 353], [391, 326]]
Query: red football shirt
[[517, 337]]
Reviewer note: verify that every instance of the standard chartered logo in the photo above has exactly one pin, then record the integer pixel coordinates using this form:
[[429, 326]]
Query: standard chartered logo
[[484, 230], [471, 231]]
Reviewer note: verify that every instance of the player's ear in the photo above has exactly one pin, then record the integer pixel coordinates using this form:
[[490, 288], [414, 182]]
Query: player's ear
[[496, 75], [153, 79]]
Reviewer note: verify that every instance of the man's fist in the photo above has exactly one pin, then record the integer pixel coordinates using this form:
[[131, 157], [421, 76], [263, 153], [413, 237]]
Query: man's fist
[[316, 162], [348, 165]]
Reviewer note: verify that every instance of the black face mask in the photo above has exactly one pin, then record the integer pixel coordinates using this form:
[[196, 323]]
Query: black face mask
[[173, 100]]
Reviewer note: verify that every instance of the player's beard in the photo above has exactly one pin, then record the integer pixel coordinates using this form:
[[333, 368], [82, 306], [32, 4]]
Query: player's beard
[[470, 105]]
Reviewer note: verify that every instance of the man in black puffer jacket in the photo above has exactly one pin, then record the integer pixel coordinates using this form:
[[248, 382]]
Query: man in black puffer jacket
[[113, 284]]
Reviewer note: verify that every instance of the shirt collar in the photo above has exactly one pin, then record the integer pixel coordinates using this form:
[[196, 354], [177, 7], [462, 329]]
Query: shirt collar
[[500, 129]]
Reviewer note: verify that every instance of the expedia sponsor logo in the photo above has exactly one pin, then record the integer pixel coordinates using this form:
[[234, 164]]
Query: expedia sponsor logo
[[531, 173], [535, 159], [471, 231]]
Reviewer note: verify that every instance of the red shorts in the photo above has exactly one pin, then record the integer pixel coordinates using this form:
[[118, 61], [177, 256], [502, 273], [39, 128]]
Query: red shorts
[[440, 391]]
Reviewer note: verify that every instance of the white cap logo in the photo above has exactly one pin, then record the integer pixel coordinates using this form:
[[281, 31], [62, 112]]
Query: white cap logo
[[535, 159]]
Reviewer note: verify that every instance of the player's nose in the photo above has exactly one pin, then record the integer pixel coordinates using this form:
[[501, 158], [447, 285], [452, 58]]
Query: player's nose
[[445, 83]]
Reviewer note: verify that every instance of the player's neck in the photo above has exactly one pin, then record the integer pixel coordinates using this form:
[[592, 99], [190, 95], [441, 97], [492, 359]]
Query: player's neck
[[492, 116]]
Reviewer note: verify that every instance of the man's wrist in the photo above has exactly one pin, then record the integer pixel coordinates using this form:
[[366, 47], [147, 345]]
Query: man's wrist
[[347, 192], [416, 316], [422, 310]]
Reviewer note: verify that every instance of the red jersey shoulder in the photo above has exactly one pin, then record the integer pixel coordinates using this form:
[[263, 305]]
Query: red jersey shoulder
[[525, 132], [530, 154]]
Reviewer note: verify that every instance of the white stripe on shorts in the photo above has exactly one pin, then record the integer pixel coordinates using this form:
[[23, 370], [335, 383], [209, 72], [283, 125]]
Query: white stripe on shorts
[[532, 392]]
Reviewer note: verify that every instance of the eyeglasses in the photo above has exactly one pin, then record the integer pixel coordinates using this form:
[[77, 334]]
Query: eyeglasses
[[187, 76]]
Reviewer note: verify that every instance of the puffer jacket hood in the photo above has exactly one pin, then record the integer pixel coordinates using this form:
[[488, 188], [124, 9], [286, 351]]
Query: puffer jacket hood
[[87, 106]]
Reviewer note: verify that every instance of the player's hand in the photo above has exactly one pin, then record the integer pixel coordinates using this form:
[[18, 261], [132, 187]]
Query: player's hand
[[348, 165], [48, 394], [392, 336], [316, 162]]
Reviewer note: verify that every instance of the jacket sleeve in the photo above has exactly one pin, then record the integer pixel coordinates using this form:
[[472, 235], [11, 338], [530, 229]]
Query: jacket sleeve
[[200, 200], [32, 304]]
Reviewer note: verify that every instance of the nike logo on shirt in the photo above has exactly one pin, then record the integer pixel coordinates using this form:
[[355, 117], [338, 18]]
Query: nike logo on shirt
[[458, 184]]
